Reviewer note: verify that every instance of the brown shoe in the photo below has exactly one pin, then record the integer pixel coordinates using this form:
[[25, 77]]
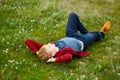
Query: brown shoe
[[105, 28]]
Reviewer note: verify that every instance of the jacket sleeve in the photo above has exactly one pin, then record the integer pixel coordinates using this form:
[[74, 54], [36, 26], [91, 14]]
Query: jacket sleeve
[[72, 52], [83, 54], [33, 46], [64, 58], [66, 54]]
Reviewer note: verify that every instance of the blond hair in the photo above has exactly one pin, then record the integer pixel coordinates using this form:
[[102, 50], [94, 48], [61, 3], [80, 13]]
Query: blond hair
[[43, 54]]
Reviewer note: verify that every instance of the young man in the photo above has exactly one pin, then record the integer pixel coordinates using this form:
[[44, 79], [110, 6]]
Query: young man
[[73, 44]]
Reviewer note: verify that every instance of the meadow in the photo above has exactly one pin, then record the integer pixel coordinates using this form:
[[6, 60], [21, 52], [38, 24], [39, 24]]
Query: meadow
[[45, 21]]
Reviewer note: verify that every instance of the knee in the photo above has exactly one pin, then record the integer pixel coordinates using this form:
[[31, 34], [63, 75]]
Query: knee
[[73, 14]]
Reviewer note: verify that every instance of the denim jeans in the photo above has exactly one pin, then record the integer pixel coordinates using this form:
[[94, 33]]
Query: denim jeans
[[74, 25]]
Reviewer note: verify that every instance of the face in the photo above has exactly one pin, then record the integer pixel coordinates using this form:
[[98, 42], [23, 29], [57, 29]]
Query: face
[[51, 48]]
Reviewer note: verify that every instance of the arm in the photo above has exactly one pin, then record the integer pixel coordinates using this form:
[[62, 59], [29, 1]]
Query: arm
[[65, 55], [64, 58], [72, 52], [61, 59], [33, 46]]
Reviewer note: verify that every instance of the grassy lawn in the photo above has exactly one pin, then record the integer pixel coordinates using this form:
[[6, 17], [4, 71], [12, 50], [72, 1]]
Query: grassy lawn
[[45, 21]]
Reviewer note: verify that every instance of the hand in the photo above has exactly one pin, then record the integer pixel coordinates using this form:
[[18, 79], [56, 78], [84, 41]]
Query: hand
[[37, 52], [51, 60]]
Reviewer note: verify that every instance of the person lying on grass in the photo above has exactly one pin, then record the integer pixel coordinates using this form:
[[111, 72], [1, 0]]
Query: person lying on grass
[[73, 44]]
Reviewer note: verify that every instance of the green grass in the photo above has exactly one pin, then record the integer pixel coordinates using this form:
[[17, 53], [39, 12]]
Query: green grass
[[45, 21]]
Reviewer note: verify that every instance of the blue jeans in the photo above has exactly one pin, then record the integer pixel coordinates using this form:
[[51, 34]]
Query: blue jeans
[[74, 25]]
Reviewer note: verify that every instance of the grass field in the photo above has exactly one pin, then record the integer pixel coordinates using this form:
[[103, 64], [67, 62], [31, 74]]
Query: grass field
[[45, 21]]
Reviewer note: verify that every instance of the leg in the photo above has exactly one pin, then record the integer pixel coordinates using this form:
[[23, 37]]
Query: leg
[[90, 37], [33, 46], [74, 24]]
